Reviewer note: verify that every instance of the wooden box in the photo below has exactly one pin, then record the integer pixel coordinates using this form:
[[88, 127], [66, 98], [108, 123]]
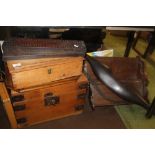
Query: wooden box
[[23, 74], [35, 62], [56, 100], [129, 71]]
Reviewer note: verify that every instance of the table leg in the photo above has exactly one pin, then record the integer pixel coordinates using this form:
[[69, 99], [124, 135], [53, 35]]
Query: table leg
[[151, 45], [129, 43], [136, 39]]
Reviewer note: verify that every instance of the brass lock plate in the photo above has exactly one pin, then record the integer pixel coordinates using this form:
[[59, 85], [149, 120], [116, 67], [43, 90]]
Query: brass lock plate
[[49, 71], [50, 99]]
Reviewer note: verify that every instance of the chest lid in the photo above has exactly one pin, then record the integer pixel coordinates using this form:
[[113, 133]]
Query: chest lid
[[22, 48], [15, 66]]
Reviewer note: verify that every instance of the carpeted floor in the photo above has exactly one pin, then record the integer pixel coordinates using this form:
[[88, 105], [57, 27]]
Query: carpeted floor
[[133, 116]]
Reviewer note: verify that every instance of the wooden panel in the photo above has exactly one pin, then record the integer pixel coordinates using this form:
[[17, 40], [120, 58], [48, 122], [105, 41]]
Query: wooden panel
[[69, 85], [7, 105], [43, 113], [69, 113], [34, 101], [51, 84], [43, 73], [29, 64]]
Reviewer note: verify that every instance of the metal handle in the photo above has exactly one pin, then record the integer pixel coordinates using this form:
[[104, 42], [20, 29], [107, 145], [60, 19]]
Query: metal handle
[[17, 98], [19, 107]]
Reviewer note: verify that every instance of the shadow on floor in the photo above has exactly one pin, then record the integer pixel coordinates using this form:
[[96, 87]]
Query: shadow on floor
[[101, 118]]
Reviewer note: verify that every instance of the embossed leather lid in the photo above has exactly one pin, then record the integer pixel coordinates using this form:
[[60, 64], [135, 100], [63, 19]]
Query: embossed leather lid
[[22, 48]]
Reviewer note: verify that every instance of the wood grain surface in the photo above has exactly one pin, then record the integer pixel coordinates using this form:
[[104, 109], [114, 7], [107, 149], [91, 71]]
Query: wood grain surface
[[37, 72]]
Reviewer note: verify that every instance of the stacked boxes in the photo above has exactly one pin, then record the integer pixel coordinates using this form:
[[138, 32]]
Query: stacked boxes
[[45, 78]]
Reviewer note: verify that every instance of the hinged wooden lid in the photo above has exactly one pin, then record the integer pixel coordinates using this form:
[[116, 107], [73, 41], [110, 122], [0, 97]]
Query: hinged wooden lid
[[22, 48], [15, 66]]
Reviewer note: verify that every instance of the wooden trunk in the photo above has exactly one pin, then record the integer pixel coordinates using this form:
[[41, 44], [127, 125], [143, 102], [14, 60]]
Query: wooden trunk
[[129, 71], [23, 74], [56, 100]]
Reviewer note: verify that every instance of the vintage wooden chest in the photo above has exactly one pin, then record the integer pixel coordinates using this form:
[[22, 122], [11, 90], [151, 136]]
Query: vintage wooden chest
[[56, 100], [35, 72], [34, 62], [129, 71]]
